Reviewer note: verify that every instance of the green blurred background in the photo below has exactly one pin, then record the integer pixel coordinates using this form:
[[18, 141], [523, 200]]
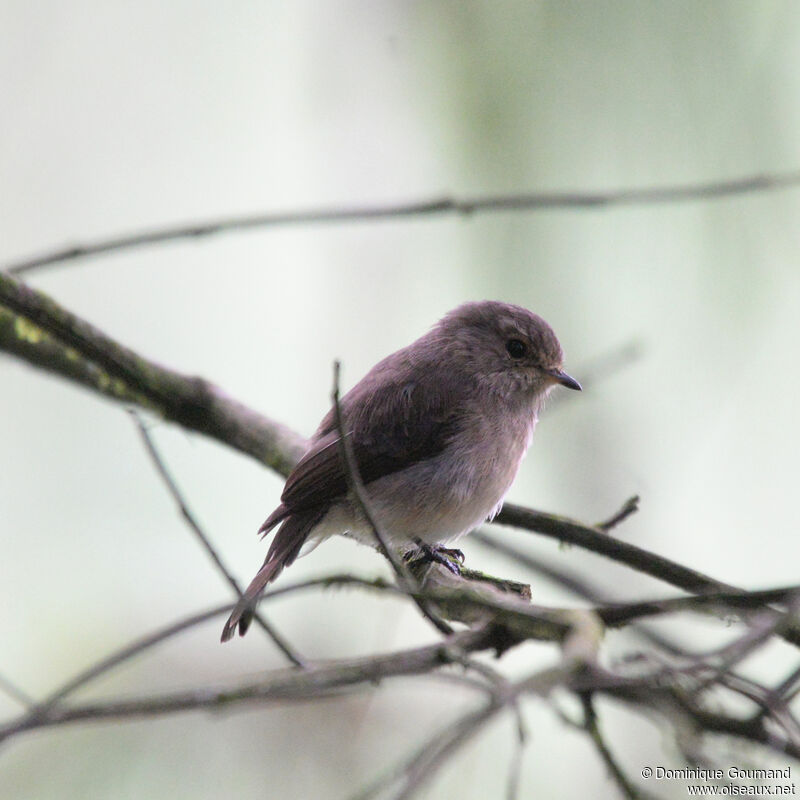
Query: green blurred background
[[120, 116]]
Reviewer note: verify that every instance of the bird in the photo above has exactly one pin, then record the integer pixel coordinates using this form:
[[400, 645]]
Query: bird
[[438, 431]]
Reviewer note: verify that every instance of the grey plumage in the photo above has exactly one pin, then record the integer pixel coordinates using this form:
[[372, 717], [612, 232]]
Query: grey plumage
[[438, 430]]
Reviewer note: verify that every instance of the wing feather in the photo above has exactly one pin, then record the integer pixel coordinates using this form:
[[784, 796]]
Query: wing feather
[[392, 427]]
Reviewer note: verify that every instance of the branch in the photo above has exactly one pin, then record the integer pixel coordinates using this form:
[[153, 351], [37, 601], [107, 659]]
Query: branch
[[14, 691], [664, 692], [281, 685], [443, 206], [126, 654], [145, 643], [621, 614], [578, 585], [596, 540], [423, 763], [139, 646], [592, 727], [38, 330], [515, 767], [161, 468], [630, 506], [507, 617]]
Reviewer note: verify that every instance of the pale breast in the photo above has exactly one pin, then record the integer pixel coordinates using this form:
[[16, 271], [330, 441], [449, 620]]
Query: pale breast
[[447, 496]]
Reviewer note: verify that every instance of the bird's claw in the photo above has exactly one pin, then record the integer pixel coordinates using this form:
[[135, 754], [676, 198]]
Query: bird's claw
[[449, 558]]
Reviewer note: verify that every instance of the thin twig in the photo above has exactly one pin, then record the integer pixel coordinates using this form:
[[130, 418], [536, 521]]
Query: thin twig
[[432, 755], [607, 364], [592, 727], [141, 645], [642, 689], [172, 487], [785, 690], [515, 767], [443, 206], [127, 653], [500, 687], [12, 690], [630, 506], [418, 768], [762, 627], [414, 770], [663, 690], [359, 494], [774, 709]]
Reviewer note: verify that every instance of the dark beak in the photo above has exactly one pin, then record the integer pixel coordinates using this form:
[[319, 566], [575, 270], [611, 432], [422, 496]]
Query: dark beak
[[564, 379]]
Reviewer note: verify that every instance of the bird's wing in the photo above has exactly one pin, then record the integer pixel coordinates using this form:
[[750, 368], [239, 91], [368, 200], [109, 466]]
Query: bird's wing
[[391, 428]]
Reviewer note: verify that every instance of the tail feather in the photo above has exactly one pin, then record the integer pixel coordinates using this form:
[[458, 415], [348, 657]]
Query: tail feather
[[278, 515], [282, 552], [242, 614]]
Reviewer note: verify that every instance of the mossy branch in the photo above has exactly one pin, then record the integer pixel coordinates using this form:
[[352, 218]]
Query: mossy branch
[[43, 333]]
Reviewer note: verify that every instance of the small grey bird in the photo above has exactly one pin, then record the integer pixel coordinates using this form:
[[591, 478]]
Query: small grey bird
[[438, 430]]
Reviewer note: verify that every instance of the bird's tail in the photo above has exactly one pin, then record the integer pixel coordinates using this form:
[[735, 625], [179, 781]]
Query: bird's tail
[[282, 552]]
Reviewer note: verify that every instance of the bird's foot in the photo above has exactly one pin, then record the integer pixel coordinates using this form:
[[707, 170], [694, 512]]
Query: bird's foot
[[449, 558]]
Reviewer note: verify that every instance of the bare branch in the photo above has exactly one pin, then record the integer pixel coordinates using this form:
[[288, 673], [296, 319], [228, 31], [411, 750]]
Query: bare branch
[[145, 643], [602, 367], [763, 625], [141, 645], [412, 772], [739, 600], [527, 622], [317, 681], [597, 541], [432, 754], [443, 206], [161, 468], [569, 531], [515, 767], [592, 727], [127, 653], [663, 691], [630, 506], [429, 757], [784, 691], [12, 690]]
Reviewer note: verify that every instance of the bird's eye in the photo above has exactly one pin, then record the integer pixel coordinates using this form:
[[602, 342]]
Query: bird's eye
[[516, 348]]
